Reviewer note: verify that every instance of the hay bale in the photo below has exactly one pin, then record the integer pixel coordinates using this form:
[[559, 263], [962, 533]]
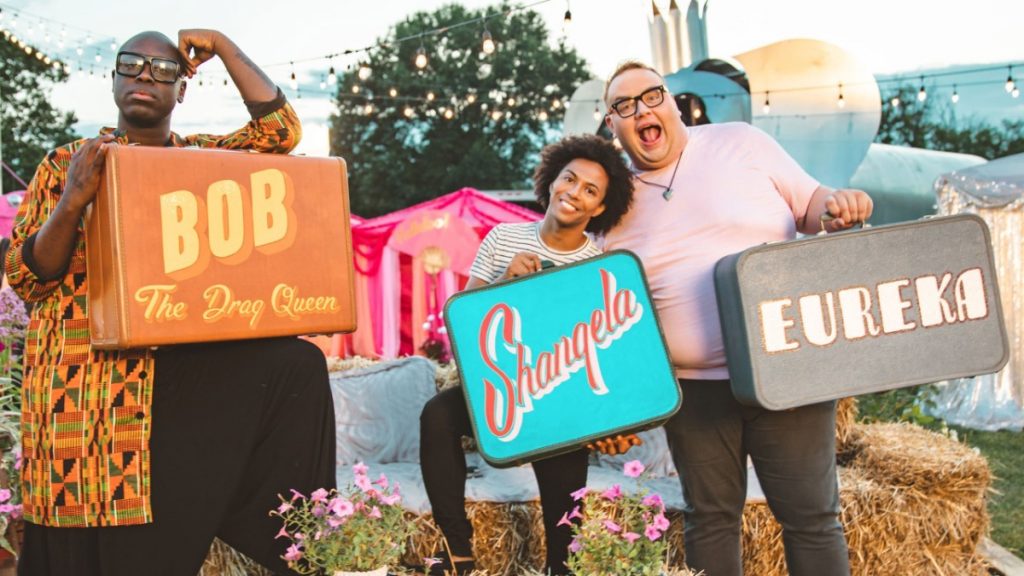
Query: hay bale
[[906, 455], [902, 531], [846, 418], [336, 364], [505, 537]]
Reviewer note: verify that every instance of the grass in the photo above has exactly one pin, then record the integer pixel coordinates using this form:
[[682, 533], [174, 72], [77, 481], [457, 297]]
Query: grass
[[1003, 449]]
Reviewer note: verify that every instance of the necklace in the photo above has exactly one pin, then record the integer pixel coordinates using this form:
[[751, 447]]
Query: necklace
[[667, 190]]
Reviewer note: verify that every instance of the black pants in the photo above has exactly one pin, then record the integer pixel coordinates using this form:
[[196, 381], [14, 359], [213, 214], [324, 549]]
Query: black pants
[[234, 424], [794, 455], [445, 419]]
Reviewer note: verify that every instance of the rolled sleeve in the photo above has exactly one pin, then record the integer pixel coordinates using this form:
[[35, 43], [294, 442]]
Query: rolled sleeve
[[276, 131]]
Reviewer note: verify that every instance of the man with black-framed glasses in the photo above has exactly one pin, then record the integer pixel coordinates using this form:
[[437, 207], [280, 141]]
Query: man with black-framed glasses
[[134, 460], [702, 193]]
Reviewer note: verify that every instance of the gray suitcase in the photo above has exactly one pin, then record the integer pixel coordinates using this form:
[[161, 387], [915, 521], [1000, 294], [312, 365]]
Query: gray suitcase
[[860, 311]]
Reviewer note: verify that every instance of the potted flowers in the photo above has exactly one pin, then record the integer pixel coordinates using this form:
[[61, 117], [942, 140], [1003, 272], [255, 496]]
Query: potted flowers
[[361, 530], [620, 534]]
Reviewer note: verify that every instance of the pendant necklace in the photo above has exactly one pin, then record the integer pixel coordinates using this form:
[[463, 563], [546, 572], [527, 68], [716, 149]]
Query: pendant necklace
[[667, 190]]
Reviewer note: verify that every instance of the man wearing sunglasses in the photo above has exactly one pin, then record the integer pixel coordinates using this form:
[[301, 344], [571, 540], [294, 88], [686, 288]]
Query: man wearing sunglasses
[[702, 193], [134, 460]]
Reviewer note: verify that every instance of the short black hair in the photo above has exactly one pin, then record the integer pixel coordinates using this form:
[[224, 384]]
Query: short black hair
[[618, 196]]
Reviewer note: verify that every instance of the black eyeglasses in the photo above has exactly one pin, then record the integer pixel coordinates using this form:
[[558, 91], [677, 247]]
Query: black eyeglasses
[[626, 107], [161, 69]]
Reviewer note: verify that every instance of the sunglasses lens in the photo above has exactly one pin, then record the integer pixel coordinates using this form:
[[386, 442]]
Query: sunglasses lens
[[130, 64], [164, 70]]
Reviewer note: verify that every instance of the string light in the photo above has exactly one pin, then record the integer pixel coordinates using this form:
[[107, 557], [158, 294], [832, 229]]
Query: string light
[[496, 115], [448, 114], [597, 113], [430, 96], [323, 82], [841, 102], [767, 108], [368, 109], [364, 72], [408, 112], [895, 102], [567, 19], [470, 98], [922, 94], [293, 82], [488, 42], [98, 57], [1010, 84], [332, 76], [393, 92], [543, 116], [1015, 93], [421, 57], [355, 88], [955, 97]]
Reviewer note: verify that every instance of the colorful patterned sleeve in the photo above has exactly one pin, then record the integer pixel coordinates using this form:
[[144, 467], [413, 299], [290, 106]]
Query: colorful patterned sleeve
[[277, 132], [40, 199]]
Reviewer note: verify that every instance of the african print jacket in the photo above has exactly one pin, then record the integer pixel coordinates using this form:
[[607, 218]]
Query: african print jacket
[[86, 413]]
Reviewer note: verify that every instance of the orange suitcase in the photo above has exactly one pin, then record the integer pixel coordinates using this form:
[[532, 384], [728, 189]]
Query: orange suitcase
[[190, 245]]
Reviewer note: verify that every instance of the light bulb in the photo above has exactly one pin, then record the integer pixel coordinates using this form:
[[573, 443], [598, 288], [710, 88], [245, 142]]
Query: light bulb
[[393, 92], [895, 102], [408, 112], [421, 58], [488, 42], [365, 72], [922, 95], [543, 116]]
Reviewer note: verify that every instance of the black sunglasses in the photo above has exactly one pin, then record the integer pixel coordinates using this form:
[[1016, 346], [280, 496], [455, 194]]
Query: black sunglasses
[[161, 69]]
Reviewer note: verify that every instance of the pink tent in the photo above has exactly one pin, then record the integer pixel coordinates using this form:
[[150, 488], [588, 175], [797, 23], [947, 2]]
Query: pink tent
[[9, 204], [409, 262]]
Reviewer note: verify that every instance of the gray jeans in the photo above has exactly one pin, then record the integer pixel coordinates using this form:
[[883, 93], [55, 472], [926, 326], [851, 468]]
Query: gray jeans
[[793, 452]]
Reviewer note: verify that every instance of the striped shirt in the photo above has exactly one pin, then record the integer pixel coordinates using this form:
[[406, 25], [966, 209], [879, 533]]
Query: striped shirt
[[506, 240]]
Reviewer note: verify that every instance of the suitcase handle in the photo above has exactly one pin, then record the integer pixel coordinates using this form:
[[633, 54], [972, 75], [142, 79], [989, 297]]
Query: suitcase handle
[[826, 217]]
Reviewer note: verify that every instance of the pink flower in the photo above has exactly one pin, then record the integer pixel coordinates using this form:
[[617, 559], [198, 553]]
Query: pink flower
[[652, 533], [319, 495], [284, 507], [342, 507], [390, 500], [5, 494], [575, 545], [579, 494], [630, 536], [564, 521], [360, 469], [318, 510], [654, 501], [335, 521], [575, 513], [660, 522], [633, 469], [294, 553], [382, 481], [296, 494], [364, 483], [613, 493], [17, 458], [282, 533], [375, 513], [612, 526]]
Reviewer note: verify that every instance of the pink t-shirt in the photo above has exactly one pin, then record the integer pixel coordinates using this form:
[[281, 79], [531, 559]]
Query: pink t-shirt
[[735, 188]]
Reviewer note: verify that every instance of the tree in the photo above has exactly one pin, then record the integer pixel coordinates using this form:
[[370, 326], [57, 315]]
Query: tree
[[31, 125], [467, 119], [936, 127]]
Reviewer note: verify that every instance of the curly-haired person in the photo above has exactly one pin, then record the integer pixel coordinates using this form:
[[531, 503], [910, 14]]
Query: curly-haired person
[[584, 185]]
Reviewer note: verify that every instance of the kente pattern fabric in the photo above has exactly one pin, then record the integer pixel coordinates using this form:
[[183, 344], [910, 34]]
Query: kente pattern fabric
[[86, 414]]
